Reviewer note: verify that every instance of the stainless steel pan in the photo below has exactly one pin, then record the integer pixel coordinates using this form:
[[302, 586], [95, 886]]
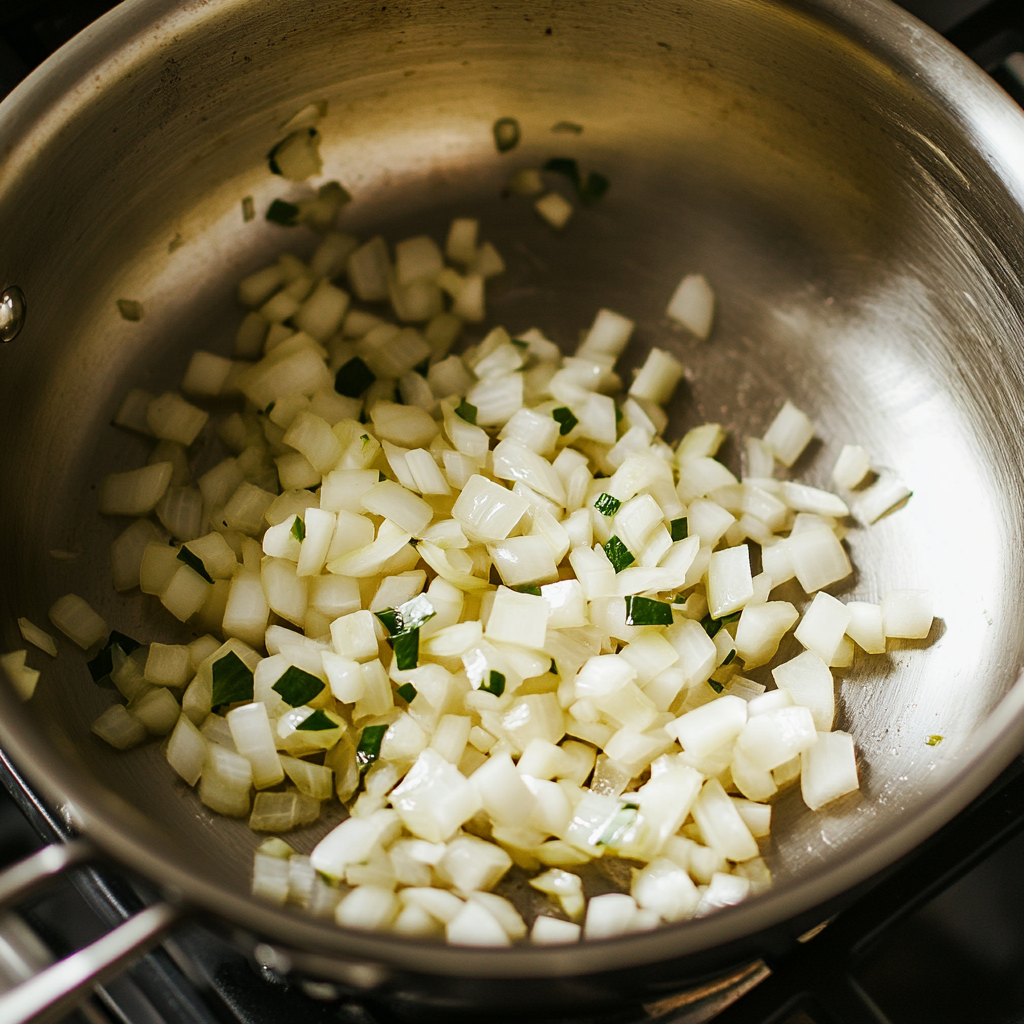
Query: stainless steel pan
[[852, 186]]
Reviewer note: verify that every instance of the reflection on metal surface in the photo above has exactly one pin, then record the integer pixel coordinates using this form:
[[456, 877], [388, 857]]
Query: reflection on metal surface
[[707, 1001], [12, 312]]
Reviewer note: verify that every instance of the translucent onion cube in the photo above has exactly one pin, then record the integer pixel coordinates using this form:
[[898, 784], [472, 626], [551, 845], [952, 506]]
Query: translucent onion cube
[[697, 651], [502, 792], [760, 629], [730, 584], [823, 626], [472, 864], [907, 613], [186, 750], [705, 729], [721, 825], [354, 636], [352, 841], [828, 769], [665, 888], [434, 798], [497, 399], [120, 728], [156, 709], [693, 305], [555, 209], [254, 740], [884, 494], [724, 890], [852, 465], [657, 378], [367, 907], [817, 558], [699, 476], [226, 782], [247, 611], [475, 925], [772, 739], [807, 679], [789, 434], [609, 915], [136, 492], [74, 617], [865, 627], [518, 618], [503, 911], [270, 877], [487, 510], [665, 802], [753, 783], [553, 931], [39, 637]]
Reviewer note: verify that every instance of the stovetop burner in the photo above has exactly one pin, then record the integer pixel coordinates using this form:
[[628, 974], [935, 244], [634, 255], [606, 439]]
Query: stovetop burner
[[940, 939]]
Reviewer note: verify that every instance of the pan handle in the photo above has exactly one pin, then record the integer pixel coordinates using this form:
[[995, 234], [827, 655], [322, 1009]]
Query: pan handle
[[51, 994]]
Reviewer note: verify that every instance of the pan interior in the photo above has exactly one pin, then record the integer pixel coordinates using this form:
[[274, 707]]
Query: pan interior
[[861, 250]]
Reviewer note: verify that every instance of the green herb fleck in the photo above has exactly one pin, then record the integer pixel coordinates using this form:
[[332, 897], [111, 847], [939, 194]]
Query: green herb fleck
[[495, 683], [643, 611], [407, 692], [506, 134], [607, 505], [565, 417], [126, 643], [365, 438], [389, 620], [618, 415], [729, 658], [269, 409], [130, 309], [616, 828], [232, 681], [297, 686], [519, 343], [248, 209], [594, 188], [728, 620], [679, 529], [934, 741], [566, 166], [369, 745], [353, 378], [193, 561], [618, 554], [298, 530], [407, 649], [711, 626], [554, 668], [284, 213], [528, 588], [466, 411], [717, 687], [317, 722]]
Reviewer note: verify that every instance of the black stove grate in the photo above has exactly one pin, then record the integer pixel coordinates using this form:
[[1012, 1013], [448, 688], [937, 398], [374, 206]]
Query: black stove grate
[[939, 938]]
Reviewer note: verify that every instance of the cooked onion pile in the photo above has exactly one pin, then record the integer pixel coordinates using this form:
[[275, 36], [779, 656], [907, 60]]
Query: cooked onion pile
[[478, 599]]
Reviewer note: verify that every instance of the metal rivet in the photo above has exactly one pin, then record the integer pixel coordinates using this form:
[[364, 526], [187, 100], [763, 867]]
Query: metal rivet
[[12, 312]]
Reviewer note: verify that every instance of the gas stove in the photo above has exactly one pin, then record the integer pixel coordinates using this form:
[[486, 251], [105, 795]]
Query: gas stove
[[939, 938]]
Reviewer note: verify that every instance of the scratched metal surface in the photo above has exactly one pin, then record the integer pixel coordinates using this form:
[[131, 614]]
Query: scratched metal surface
[[864, 244]]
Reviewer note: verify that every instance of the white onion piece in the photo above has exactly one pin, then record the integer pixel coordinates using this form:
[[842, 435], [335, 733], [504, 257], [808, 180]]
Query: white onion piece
[[39, 637], [134, 493], [828, 769], [120, 728], [552, 931], [809, 682], [186, 750], [74, 617], [20, 676], [823, 626], [907, 613], [693, 305]]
